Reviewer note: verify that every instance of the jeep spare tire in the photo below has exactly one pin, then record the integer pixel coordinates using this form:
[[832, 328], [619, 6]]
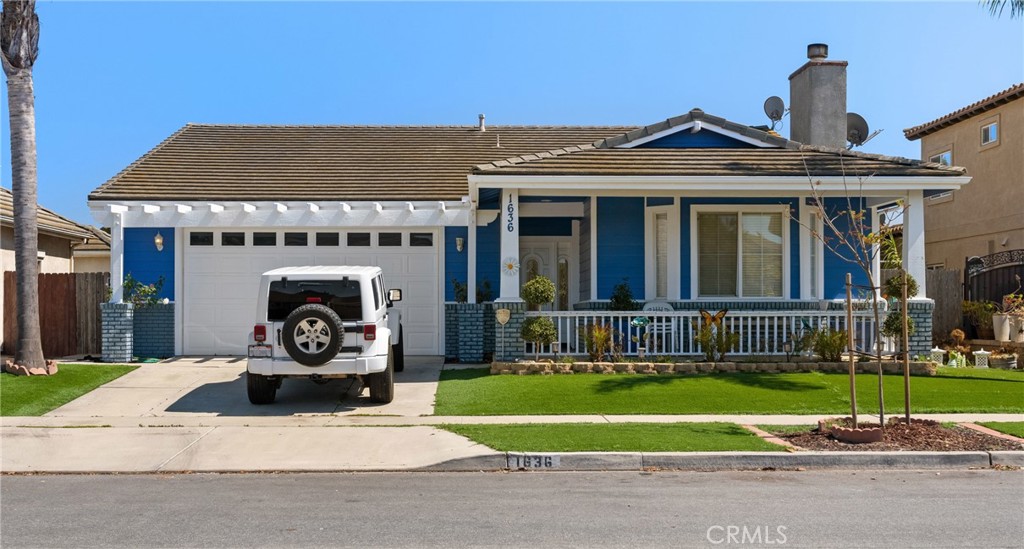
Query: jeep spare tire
[[313, 335]]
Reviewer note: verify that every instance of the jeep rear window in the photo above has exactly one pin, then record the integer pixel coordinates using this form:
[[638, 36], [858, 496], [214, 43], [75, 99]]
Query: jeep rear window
[[340, 295]]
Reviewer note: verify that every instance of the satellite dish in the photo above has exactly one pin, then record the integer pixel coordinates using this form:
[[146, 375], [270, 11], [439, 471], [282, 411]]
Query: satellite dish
[[856, 129], [774, 108]]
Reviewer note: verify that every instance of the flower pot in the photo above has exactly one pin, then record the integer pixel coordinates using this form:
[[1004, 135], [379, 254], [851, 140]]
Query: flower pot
[[1017, 328], [1001, 326]]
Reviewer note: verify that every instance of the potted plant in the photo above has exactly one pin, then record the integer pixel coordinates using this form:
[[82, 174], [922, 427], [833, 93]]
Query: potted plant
[[1003, 357], [1008, 320], [979, 317]]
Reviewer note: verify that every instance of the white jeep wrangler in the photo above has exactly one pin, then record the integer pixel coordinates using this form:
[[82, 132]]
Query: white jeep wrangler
[[325, 322]]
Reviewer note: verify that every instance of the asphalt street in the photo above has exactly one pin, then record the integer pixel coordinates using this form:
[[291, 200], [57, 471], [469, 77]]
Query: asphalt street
[[982, 508]]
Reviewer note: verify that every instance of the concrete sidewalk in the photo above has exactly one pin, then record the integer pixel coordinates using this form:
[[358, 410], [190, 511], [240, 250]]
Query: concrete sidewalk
[[192, 414]]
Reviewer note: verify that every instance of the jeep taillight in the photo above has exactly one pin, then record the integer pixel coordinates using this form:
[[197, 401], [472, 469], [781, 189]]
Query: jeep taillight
[[370, 332], [259, 332]]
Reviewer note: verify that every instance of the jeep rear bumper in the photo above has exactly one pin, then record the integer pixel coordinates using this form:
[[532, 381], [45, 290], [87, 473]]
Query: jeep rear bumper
[[335, 368]]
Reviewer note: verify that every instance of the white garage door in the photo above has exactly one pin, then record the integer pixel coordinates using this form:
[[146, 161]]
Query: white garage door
[[222, 270]]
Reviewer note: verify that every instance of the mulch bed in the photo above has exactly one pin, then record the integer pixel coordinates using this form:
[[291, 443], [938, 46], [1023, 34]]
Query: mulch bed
[[904, 437]]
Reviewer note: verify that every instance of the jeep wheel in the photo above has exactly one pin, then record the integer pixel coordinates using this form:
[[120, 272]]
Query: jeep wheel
[[399, 350], [262, 389], [382, 385], [312, 335]]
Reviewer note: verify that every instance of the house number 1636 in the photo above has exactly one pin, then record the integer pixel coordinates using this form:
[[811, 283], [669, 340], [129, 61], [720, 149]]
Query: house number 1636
[[511, 209]]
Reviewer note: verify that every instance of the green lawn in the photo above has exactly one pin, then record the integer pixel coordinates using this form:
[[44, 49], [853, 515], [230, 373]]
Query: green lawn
[[615, 437], [36, 395], [474, 392], [1015, 428]]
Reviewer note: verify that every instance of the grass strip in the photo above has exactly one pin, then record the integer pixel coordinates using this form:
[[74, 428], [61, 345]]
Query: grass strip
[[37, 395], [1014, 428], [786, 429], [475, 392], [615, 437]]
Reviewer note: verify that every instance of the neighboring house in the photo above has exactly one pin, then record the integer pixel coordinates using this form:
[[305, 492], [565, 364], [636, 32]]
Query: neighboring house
[[61, 242], [694, 211], [986, 138]]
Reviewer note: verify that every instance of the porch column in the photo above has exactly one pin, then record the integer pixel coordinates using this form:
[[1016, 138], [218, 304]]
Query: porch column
[[117, 257], [913, 240], [508, 224], [471, 258]]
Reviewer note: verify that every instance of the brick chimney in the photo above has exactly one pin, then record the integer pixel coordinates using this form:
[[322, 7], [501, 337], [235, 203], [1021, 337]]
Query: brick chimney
[[817, 100]]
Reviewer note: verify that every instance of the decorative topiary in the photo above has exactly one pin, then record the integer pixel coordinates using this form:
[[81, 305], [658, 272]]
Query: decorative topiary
[[622, 298], [893, 287], [539, 330], [892, 326], [538, 291]]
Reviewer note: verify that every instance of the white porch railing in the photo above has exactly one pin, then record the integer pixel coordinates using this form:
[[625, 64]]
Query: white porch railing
[[672, 333]]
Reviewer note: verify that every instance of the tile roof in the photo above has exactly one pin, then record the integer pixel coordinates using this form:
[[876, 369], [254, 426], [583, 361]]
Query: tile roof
[[49, 221], [792, 162], [240, 162], [1013, 92]]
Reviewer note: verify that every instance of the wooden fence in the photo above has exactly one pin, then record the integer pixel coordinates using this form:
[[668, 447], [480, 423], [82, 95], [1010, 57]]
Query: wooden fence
[[69, 313]]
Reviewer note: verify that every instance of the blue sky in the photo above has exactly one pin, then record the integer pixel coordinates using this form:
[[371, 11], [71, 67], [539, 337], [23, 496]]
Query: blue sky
[[115, 79]]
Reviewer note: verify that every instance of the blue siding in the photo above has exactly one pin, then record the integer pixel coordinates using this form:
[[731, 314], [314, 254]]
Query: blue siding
[[835, 267], [489, 199], [145, 263], [683, 139], [620, 245], [546, 226], [488, 250], [455, 262], [685, 252], [660, 201], [526, 199]]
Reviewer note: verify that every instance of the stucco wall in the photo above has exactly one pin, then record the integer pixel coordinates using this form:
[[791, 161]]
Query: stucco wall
[[986, 216], [58, 252]]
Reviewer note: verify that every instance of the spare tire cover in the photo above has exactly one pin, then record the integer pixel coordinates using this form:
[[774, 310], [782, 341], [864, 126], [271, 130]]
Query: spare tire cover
[[313, 335]]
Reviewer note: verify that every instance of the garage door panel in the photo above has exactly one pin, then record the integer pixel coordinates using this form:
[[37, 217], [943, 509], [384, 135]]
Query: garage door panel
[[221, 283]]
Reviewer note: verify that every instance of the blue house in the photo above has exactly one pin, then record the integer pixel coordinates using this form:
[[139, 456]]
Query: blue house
[[693, 212]]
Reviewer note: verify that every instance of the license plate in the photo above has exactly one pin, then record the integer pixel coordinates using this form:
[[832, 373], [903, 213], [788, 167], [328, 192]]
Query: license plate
[[260, 351]]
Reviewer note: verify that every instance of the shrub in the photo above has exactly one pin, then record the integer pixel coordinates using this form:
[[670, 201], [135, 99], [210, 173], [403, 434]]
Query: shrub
[[483, 291], [979, 313], [599, 340], [829, 344], [140, 294], [622, 298], [539, 330], [893, 288], [538, 291], [715, 342], [892, 326]]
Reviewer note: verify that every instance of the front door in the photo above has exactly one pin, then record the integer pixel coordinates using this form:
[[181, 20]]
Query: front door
[[551, 257]]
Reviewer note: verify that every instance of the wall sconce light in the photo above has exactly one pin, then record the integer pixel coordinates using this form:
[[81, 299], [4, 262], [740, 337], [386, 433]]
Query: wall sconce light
[[459, 243], [158, 241]]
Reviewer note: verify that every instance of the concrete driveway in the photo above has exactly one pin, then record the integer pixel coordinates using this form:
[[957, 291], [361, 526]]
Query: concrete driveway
[[204, 387]]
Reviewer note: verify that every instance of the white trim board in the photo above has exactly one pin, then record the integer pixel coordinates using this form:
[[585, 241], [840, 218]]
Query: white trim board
[[696, 126]]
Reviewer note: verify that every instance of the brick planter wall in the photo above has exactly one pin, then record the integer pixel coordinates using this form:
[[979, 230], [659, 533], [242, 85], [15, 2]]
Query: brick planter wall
[[154, 331], [118, 331], [530, 367]]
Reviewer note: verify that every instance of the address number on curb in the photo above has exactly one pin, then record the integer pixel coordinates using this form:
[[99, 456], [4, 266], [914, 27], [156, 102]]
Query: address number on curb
[[528, 461]]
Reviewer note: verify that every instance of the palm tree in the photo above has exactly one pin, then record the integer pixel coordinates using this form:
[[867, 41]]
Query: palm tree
[[995, 7], [19, 46]]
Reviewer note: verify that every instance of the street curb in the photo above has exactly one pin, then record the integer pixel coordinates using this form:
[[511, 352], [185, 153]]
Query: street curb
[[1008, 458], [731, 461]]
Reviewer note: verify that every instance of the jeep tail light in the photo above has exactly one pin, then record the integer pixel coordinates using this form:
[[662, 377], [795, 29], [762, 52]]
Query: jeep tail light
[[259, 332], [314, 300], [370, 332]]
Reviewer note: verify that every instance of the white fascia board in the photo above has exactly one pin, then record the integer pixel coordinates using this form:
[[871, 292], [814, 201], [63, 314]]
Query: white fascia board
[[703, 125], [282, 214], [635, 183], [551, 209]]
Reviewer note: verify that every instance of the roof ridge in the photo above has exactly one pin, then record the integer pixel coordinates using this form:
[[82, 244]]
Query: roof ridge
[[1015, 91], [490, 127], [531, 157], [88, 229], [694, 115]]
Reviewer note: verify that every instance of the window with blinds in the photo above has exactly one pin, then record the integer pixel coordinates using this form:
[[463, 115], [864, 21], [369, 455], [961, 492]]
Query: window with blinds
[[740, 254]]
